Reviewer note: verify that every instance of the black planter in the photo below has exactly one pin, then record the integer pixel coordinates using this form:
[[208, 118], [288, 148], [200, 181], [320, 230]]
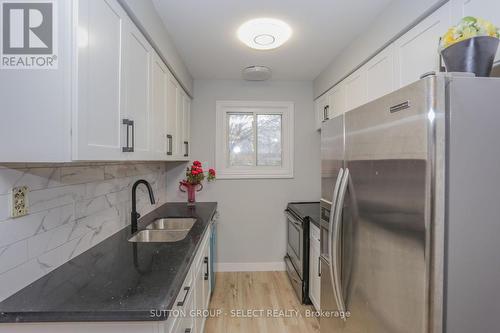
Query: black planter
[[475, 55]]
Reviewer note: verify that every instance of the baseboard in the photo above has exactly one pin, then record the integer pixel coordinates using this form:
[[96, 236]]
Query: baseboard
[[250, 266]]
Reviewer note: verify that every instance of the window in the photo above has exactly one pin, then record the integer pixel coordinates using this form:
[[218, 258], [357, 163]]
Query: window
[[254, 139]]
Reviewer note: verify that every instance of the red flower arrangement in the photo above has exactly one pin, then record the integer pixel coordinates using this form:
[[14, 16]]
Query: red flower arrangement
[[194, 176]]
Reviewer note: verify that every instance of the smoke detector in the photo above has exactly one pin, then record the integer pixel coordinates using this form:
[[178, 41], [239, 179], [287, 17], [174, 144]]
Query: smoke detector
[[256, 73]]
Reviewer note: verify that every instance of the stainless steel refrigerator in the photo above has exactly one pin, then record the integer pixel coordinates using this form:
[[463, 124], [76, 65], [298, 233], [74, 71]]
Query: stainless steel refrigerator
[[410, 211]]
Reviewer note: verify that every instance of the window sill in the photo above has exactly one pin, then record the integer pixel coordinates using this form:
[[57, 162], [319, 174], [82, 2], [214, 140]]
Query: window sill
[[281, 174]]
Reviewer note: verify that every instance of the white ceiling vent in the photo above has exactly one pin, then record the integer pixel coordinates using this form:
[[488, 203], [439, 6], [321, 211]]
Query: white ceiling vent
[[256, 73]]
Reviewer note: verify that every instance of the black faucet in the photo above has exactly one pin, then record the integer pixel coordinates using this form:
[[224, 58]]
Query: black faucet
[[134, 215]]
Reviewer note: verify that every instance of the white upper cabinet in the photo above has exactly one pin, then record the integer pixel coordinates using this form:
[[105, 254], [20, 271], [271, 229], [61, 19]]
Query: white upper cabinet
[[186, 118], [108, 100], [417, 50], [160, 79], [355, 89], [137, 92], [399, 64], [486, 9], [172, 132], [336, 101], [321, 110], [380, 74], [98, 116], [179, 152]]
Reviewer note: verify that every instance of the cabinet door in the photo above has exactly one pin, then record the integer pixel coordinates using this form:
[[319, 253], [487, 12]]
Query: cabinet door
[[314, 269], [355, 89], [172, 101], [318, 113], [336, 101], [206, 276], [180, 151], [137, 92], [159, 109], [98, 116], [380, 74], [486, 9], [321, 109], [198, 296], [417, 50], [186, 127], [186, 324]]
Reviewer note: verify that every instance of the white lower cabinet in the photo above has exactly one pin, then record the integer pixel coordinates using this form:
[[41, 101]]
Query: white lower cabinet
[[186, 324], [202, 286], [314, 266], [194, 297], [188, 314]]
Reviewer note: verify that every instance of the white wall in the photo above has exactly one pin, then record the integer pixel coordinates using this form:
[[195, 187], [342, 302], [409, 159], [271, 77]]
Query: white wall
[[252, 226], [396, 18], [145, 12], [72, 207]]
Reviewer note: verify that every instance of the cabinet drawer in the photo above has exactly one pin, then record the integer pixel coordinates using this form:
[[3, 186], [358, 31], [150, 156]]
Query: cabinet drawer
[[186, 290], [185, 322]]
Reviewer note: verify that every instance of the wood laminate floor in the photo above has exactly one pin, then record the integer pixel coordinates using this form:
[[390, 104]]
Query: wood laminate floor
[[269, 295]]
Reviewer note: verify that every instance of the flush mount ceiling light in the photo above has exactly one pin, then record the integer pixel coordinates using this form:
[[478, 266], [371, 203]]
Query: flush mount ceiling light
[[264, 33]]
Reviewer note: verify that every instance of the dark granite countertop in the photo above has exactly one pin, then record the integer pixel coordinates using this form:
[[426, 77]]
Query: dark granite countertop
[[309, 210], [115, 280]]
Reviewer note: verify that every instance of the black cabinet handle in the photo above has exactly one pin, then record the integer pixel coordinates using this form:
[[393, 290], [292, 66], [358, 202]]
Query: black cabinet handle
[[169, 143], [205, 261], [133, 135], [188, 330], [129, 124], [186, 147], [181, 303], [325, 112], [319, 267]]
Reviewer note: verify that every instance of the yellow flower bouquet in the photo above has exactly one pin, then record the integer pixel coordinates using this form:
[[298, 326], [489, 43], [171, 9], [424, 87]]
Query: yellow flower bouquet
[[470, 46]]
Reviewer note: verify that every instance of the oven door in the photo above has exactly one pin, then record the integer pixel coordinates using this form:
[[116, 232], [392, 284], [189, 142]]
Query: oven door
[[295, 240]]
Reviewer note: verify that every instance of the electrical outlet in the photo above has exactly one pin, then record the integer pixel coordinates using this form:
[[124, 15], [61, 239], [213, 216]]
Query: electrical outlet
[[20, 201]]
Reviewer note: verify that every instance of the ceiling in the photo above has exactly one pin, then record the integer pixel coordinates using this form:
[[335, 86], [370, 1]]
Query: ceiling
[[204, 33]]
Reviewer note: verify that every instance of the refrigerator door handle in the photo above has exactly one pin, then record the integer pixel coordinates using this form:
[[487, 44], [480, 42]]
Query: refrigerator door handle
[[335, 257], [340, 176]]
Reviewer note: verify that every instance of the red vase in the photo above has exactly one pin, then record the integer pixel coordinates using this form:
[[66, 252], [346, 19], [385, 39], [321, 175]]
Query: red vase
[[191, 190]]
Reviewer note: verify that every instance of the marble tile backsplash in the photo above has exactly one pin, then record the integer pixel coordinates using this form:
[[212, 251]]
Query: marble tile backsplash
[[71, 208]]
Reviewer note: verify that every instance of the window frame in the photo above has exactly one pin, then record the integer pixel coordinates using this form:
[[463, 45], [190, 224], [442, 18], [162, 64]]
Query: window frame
[[285, 109]]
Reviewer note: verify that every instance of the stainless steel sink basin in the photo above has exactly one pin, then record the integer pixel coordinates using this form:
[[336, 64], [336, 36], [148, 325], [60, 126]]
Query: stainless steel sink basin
[[172, 223], [158, 236], [164, 230]]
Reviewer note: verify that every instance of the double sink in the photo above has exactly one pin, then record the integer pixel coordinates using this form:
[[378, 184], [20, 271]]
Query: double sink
[[164, 230]]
